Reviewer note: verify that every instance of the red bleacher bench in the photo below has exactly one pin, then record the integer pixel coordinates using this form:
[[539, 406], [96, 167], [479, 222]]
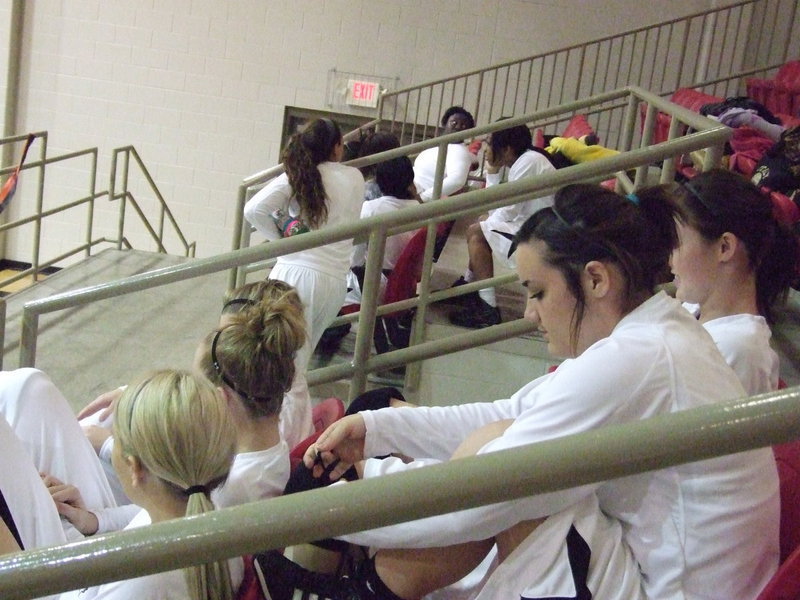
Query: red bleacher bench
[[781, 94]]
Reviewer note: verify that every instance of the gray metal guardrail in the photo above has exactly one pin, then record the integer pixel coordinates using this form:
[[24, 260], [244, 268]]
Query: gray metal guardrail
[[562, 463], [710, 136], [698, 50]]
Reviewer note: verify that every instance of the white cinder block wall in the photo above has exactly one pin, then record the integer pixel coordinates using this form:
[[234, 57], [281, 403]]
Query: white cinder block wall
[[199, 87]]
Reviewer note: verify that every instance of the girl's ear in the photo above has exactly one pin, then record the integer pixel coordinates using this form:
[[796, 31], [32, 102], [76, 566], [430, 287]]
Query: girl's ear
[[727, 246], [596, 279], [138, 471]]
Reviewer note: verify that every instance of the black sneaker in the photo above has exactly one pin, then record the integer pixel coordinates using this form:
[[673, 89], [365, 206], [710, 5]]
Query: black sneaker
[[281, 579], [476, 316], [302, 479], [464, 299]]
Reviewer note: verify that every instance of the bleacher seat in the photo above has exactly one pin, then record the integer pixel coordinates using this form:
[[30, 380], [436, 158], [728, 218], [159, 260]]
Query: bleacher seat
[[787, 457], [781, 94], [577, 127]]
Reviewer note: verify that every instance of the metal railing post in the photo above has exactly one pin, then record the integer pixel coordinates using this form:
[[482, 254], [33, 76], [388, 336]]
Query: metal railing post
[[647, 137], [28, 337], [414, 370], [3, 315], [37, 225], [112, 191], [369, 301], [713, 157], [238, 226], [669, 167], [90, 207], [419, 329]]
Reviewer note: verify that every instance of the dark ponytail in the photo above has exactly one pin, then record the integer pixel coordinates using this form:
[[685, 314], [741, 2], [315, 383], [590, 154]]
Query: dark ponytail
[[720, 201], [301, 157], [589, 222]]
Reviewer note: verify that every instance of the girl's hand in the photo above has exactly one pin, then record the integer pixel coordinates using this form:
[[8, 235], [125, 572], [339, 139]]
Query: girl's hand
[[70, 504], [342, 441], [104, 402]]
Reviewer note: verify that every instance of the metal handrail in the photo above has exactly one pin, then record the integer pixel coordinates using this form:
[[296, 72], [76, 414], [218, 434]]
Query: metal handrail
[[39, 212], [680, 49], [125, 195], [710, 135], [567, 462], [90, 241]]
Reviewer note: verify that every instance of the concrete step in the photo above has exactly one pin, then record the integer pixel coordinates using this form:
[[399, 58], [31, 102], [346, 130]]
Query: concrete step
[[91, 349]]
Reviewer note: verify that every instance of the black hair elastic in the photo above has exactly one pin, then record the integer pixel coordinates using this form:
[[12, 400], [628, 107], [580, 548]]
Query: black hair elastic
[[196, 489]]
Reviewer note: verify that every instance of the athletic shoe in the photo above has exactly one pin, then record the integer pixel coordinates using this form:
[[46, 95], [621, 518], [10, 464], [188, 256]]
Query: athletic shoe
[[302, 479], [281, 579], [476, 316], [463, 300]]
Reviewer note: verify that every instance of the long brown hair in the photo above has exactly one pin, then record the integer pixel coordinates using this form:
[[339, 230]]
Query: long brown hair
[[301, 157]]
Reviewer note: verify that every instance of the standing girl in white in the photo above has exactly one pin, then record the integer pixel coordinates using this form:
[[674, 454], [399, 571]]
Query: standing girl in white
[[321, 193]]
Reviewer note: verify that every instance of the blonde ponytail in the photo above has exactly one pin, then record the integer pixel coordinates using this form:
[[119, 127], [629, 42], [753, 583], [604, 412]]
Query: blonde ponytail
[[178, 427]]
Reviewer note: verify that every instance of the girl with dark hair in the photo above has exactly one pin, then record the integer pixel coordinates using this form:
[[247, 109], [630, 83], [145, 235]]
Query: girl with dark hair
[[395, 179], [510, 149], [735, 263], [589, 263], [458, 163], [295, 413], [320, 192], [379, 141]]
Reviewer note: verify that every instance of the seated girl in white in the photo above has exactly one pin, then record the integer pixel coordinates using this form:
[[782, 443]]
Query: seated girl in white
[[250, 357], [734, 265], [490, 237], [251, 361], [29, 505], [395, 179], [175, 443], [458, 163], [590, 263]]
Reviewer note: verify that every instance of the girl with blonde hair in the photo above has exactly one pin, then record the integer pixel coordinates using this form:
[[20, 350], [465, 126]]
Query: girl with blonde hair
[[175, 443]]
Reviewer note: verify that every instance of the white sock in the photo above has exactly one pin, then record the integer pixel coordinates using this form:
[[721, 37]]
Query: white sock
[[488, 296], [469, 276]]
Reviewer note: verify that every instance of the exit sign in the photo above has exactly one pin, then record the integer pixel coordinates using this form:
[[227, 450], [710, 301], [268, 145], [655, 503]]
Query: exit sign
[[362, 93]]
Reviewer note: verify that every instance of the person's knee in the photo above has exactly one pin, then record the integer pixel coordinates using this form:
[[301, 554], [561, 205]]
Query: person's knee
[[474, 230]]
